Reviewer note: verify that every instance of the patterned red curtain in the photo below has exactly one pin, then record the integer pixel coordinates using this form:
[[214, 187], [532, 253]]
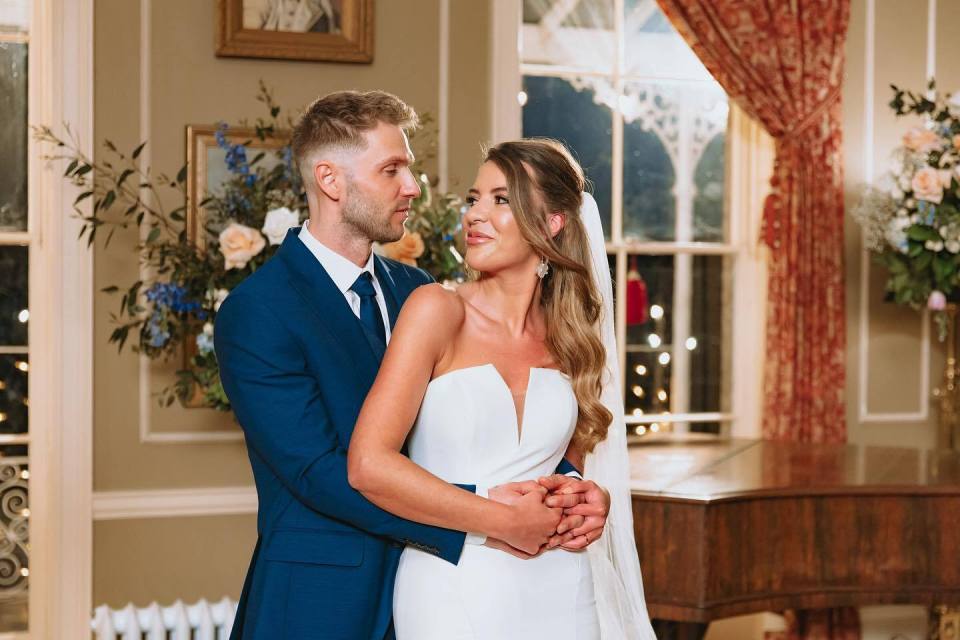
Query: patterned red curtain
[[782, 62]]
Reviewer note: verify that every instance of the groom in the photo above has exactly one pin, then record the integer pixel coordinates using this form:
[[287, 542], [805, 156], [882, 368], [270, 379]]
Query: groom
[[299, 344]]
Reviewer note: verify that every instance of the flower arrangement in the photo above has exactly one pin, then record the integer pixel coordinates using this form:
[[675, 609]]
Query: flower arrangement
[[912, 221], [171, 310]]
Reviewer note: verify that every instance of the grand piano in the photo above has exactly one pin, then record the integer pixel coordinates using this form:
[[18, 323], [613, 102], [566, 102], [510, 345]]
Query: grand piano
[[743, 526]]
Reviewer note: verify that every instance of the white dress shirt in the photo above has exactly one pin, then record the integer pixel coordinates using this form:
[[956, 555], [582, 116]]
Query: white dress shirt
[[344, 273]]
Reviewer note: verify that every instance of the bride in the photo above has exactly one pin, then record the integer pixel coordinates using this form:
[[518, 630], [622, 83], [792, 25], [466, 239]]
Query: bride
[[496, 382]]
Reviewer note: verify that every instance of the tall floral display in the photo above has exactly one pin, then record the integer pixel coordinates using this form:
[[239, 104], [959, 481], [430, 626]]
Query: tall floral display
[[911, 222], [168, 313]]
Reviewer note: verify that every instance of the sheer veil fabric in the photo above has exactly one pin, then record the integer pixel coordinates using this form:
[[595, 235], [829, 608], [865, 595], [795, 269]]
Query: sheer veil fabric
[[618, 586]]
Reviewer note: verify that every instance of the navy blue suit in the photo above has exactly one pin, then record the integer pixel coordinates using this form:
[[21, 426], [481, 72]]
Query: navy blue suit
[[297, 364]]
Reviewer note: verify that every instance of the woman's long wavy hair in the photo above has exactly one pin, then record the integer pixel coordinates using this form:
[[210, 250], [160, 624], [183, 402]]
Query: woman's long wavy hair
[[543, 178]]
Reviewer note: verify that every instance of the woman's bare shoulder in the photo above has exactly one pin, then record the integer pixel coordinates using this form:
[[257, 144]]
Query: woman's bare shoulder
[[434, 306]]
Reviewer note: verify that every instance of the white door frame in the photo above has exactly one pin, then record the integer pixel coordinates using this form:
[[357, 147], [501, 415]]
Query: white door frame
[[61, 331]]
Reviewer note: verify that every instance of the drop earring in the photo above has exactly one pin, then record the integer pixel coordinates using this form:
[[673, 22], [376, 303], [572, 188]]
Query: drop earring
[[543, 268]]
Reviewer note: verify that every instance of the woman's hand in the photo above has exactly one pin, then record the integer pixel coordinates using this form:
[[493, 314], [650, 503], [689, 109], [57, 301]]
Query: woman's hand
[[531, 524], [583, 522]]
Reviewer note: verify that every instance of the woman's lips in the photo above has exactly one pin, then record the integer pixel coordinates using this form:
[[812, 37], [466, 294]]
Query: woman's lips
[[474, 238]]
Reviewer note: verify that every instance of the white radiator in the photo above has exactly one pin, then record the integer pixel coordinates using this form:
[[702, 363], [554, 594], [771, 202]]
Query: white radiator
[[200, 621]]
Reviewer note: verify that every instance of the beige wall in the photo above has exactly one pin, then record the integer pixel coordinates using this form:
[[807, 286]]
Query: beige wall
[[891, 336], [184, 83]]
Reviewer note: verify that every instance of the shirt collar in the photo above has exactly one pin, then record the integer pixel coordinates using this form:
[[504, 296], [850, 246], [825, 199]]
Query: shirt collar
[[342, 271]]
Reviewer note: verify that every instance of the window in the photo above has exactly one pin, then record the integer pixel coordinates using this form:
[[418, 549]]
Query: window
[[14, 317], [614, 81]]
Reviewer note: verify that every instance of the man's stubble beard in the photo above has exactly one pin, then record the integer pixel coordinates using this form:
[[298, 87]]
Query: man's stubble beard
[[362, 214]]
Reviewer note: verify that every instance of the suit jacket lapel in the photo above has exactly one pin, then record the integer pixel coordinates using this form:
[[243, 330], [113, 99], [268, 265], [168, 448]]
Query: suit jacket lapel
[[326, 301], [389, 287]]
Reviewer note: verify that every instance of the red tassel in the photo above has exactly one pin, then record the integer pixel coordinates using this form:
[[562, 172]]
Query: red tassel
[[637, 301]]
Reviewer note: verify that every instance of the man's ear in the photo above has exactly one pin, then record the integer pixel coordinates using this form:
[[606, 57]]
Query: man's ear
[[328, 178], [556, 221]]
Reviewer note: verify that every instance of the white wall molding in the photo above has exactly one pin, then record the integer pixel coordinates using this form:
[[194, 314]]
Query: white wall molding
[[443, 99], [174, 503], [147, 434], [922, 413], [505, 80], [61, 328]]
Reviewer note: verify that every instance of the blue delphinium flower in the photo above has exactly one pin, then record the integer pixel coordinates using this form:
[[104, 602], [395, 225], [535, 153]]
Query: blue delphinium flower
[[205, 343], [155, 330], [166, 295], [236, 157], [289, 171]]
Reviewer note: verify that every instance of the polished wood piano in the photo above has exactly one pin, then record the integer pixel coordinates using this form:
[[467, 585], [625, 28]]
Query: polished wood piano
[[743, 526]]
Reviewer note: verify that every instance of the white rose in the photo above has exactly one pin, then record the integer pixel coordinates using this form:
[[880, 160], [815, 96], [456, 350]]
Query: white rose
[[218, 297], [934, 245], [208, 328], [928, 184], [238, 244], [953, 246], [904, 181], [896, 193], [278, 222], [953, 104]]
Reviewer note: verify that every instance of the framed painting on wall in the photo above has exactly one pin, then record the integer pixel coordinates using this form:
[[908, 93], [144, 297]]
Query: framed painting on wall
[[207, 166], [318, 30]]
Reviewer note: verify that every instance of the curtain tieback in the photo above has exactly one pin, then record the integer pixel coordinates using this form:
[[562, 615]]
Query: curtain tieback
[[811, 118]]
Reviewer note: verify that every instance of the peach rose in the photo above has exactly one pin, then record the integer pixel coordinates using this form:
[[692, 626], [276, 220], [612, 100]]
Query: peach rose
[[920, 139], [406, 250], [956, 141], [928, 184], [239, 243]]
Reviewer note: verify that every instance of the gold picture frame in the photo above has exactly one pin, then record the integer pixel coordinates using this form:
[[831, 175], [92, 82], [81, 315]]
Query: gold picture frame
[[207, 169], [316, 30]]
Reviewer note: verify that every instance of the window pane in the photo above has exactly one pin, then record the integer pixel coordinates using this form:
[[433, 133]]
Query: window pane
[[13, 133], [673, 162], [649, 206], [653, 48], [13, 393], [676, 356], [709, 224], [558, 108], [575, 34], [14, 538], [13, 296]]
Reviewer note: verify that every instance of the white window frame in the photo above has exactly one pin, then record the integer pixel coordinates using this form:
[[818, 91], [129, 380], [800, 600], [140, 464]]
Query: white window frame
[[749, 268], [60, 331]]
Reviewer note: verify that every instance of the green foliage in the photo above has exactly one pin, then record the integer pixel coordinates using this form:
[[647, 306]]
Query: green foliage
[[913, 223], [169, 313]]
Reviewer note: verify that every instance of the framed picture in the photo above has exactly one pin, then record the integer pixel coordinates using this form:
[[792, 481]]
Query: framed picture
[[320, 30], [207, 167]]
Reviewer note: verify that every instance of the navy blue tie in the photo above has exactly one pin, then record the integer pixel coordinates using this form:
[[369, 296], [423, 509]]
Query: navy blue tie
[[370, 314]]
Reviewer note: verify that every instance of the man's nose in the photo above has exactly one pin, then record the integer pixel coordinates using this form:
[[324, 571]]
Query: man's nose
[[411, 186]]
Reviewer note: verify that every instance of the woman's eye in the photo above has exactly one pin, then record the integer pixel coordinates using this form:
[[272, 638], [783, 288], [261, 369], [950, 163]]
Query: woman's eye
[[470, 200], [501, 200]]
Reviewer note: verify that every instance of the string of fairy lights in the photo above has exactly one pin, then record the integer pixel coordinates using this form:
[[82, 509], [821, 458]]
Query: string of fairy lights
[[652, 388]]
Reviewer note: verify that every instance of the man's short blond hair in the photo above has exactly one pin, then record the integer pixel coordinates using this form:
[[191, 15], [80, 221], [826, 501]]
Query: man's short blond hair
[[338, 121]]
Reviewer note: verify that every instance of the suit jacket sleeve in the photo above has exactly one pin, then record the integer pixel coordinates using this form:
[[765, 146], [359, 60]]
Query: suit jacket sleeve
[[278, 404]]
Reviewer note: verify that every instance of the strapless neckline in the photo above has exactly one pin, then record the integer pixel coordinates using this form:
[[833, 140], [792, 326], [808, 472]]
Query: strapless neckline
[[519, 423]]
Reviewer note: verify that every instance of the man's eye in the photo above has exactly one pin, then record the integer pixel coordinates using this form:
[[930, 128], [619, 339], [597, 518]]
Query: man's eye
[[392, 169]]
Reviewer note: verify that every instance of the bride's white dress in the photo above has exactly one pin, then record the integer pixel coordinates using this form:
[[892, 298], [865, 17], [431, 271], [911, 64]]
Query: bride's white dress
[[467, 432]]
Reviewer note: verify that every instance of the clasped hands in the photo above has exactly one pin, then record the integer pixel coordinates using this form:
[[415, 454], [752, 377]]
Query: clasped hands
[[554, 511]]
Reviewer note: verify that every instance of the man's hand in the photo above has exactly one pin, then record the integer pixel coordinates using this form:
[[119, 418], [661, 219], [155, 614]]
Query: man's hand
[[533, 522], [584, 520], [511, 492]]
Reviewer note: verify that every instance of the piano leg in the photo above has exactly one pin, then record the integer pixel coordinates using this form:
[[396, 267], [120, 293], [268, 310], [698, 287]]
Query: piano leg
[[673, 630]]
